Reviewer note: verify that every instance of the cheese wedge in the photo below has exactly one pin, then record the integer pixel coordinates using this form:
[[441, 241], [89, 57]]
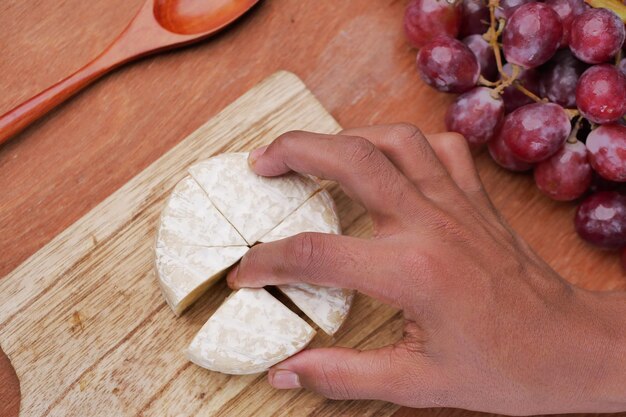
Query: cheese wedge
[[195, 245], [327, 307], [249, 332], [189, 218], [185, 273], [254, 205]]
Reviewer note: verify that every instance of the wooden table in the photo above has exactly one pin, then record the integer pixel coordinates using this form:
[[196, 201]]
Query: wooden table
[[352, 55]]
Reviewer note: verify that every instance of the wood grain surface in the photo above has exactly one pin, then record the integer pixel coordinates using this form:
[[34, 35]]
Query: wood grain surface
[[351, 54]]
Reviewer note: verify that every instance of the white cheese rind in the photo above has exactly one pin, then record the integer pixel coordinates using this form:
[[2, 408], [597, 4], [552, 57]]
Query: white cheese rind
[[327, 307], [249, 332], [189, 218], [253, 204], [186, 272]]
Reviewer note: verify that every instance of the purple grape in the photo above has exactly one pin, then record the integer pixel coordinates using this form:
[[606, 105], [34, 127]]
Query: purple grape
[[484, 53], [607, 151], [536, 131], [448, 65], [559, 78], [532, 35], [567, 174], [513, 98], [601, 220], [426, 19], [475, 114], [596, 35], [567, 11], [475, 18], [601, 94], [502, 155]]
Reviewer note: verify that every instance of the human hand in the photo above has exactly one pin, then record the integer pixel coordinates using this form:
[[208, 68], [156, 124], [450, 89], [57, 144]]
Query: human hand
[[488, 325]]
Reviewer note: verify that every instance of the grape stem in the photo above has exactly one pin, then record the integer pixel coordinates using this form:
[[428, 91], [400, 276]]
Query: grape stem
[[485, 82], [573, 136], [493, 33]]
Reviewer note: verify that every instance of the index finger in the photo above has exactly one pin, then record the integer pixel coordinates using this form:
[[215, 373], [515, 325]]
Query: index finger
[[322, 259], [361, 169]]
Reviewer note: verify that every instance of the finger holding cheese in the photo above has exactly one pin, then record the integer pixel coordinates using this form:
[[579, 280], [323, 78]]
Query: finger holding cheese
[[249, 332], [189, 218], [327, 307], [186, 272], [254, 205]]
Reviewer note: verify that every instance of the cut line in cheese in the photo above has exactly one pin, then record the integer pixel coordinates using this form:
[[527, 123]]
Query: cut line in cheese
[[249, 332], [327, 307], [254, 205], [189, 218]]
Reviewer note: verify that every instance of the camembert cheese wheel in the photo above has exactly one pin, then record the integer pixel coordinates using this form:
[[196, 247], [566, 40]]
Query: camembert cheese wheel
[[208, 224]]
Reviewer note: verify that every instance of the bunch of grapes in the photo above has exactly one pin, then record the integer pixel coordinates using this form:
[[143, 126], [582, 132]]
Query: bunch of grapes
[[543, 86]]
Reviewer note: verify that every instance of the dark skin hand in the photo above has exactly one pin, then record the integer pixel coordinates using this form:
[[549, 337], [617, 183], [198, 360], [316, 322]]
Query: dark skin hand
[[489, 326]]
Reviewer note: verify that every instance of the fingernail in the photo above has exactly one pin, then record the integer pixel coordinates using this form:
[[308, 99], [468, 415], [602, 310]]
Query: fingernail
[[231, 277], [282, 379], [256, 154]]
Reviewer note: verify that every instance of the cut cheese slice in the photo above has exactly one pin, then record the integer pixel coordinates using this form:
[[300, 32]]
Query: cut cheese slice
[[327, 307], [249, 332], [254, 205], [189, 218], [317, 214], [195, 245], [186, 272]]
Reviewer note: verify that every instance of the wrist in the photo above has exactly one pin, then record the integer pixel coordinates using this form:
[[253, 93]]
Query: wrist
[[604, 379]]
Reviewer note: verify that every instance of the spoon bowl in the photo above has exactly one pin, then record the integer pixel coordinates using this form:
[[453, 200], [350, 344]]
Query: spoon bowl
[[190, 17], [159, 25]]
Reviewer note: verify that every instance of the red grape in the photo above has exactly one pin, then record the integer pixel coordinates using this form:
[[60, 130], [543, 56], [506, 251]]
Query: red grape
[[567, 174], [448, 65], [425, 19], [624, 259], [536, 131], [513, 98], [596, 35], [475, 115], [507, 7], [475, 17], [601, 219], [484, 54], [601, 94], [607, 151], [622, 66], [532, 35], [559, 78], [500, 152], [567, 11]]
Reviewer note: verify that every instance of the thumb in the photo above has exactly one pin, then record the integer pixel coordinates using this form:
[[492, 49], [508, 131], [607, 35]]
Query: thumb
[[340, 373]]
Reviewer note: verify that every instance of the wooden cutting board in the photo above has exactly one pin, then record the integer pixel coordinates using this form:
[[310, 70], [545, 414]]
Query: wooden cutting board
[[83, 320]]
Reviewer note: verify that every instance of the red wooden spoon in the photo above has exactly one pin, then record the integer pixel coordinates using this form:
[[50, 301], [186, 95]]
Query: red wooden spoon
[[159, 25]]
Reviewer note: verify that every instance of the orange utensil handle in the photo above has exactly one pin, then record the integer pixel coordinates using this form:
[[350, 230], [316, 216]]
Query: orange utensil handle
[[24, 114]]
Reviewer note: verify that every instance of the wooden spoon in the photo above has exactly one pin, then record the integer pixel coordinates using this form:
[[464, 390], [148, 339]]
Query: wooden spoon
[[159, 25]]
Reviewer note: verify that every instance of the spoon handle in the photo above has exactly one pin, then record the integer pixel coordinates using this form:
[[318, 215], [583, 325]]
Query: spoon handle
[[24, 114]]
